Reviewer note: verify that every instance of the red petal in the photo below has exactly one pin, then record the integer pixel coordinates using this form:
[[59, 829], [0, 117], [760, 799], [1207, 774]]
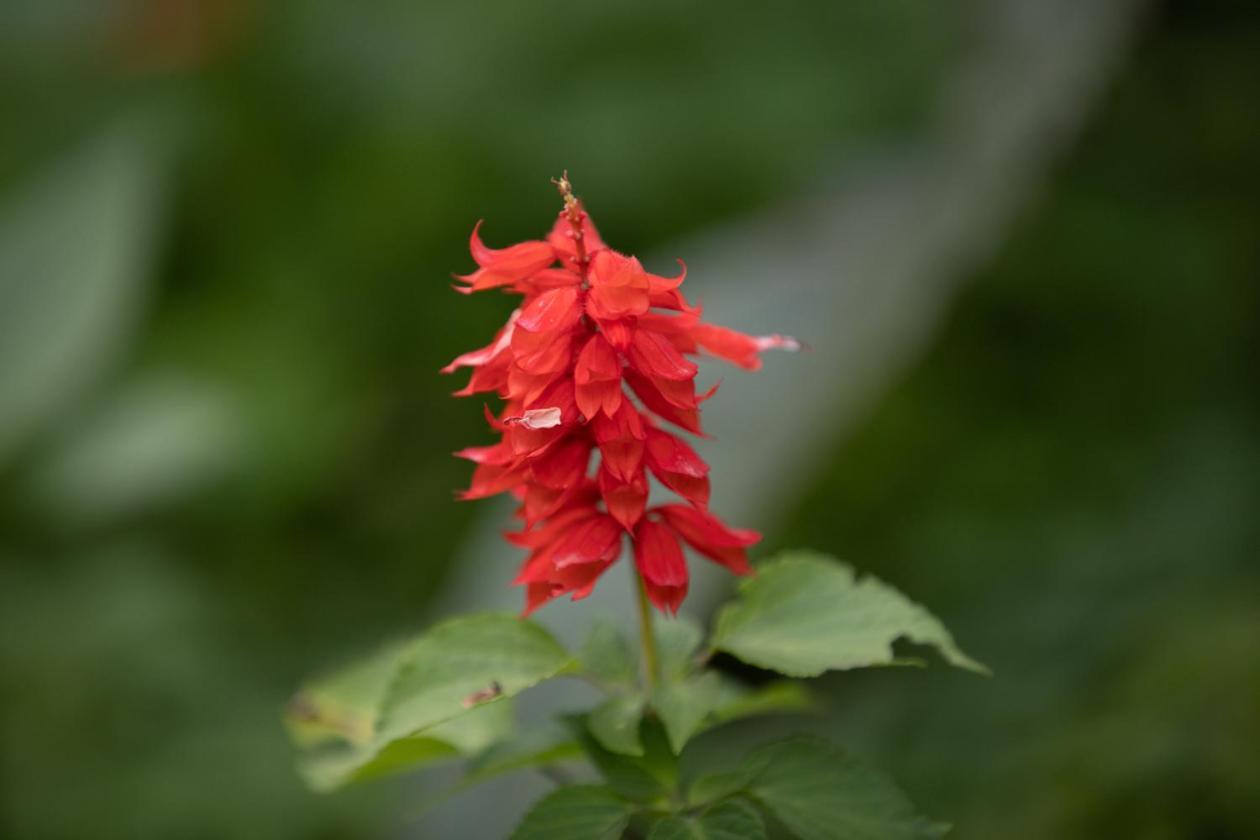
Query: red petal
[[563, 464], [619, 286], [625, 500], [687, 418], [738, 348], [660, 561], [677, 466], [620, 440], [654, 355], [708, 535]]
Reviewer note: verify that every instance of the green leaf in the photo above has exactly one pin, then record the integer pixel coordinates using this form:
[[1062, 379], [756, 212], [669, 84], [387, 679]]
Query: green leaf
[[819, 793], [344, 705], [677, 640], [731, 820], [75, 247], [780, 697], [804, 614], [615, 723], [464, 660], [684, 704], [331, 767], [646, 778], [431, 699], [578, 812], [540, 746], [608, 657]]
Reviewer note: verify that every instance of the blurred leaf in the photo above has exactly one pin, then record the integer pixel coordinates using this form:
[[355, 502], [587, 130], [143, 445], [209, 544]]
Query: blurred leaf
[[677, 640], [615, 723], [804, 614], [429, 699], [345, 704], [781, 697], [683, 704], [819, 793], [608, 657], [74, 247], [538, 746], [732, 820], [645, 778], [461, 736], [150, 445], [577, 812]]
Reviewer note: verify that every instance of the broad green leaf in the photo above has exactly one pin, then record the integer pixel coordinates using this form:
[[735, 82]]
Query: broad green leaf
[[819, 793], [344, 705], [608, 657], [615, 723], [75, 247], [776, 698], [677, 640], [804, 614], [468, 734], [683, 705], [461, 662], [731, 820], [577, 812], [442, 695]]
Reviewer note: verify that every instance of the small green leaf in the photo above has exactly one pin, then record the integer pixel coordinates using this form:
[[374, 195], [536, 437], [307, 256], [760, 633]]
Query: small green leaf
[[819, 793], [615, 724], [677, 640], [608, 656], [731, 820], [776, 698], [804, 614], [684, 704], [578, 812], [646, 778]]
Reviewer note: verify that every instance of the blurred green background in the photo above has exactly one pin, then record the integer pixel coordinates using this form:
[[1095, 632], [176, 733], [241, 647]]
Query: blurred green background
[[226, 229]]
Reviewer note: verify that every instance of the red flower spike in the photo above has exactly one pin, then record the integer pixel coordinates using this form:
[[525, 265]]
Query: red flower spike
[[593, 328]]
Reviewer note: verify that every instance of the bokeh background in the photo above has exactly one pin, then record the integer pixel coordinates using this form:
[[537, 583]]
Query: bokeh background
[[1022, 237]]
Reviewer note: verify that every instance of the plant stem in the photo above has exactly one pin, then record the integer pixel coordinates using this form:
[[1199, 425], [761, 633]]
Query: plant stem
[[645, 632]]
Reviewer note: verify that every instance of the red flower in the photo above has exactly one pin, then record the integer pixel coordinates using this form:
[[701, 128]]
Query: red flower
[[593, 328]]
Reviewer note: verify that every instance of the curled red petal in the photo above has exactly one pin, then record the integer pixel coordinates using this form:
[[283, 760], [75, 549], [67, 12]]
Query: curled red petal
[[711, 537]]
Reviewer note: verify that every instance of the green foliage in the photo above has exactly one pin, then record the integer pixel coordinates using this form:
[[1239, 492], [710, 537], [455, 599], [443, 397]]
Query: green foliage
[[684, 703], [804, 614], [819, 793], [576, 812], [446, 695], [442, 695], [731, 820], [615, 723]]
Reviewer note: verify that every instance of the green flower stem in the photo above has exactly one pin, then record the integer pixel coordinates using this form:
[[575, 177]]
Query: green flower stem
[[645, 631]]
